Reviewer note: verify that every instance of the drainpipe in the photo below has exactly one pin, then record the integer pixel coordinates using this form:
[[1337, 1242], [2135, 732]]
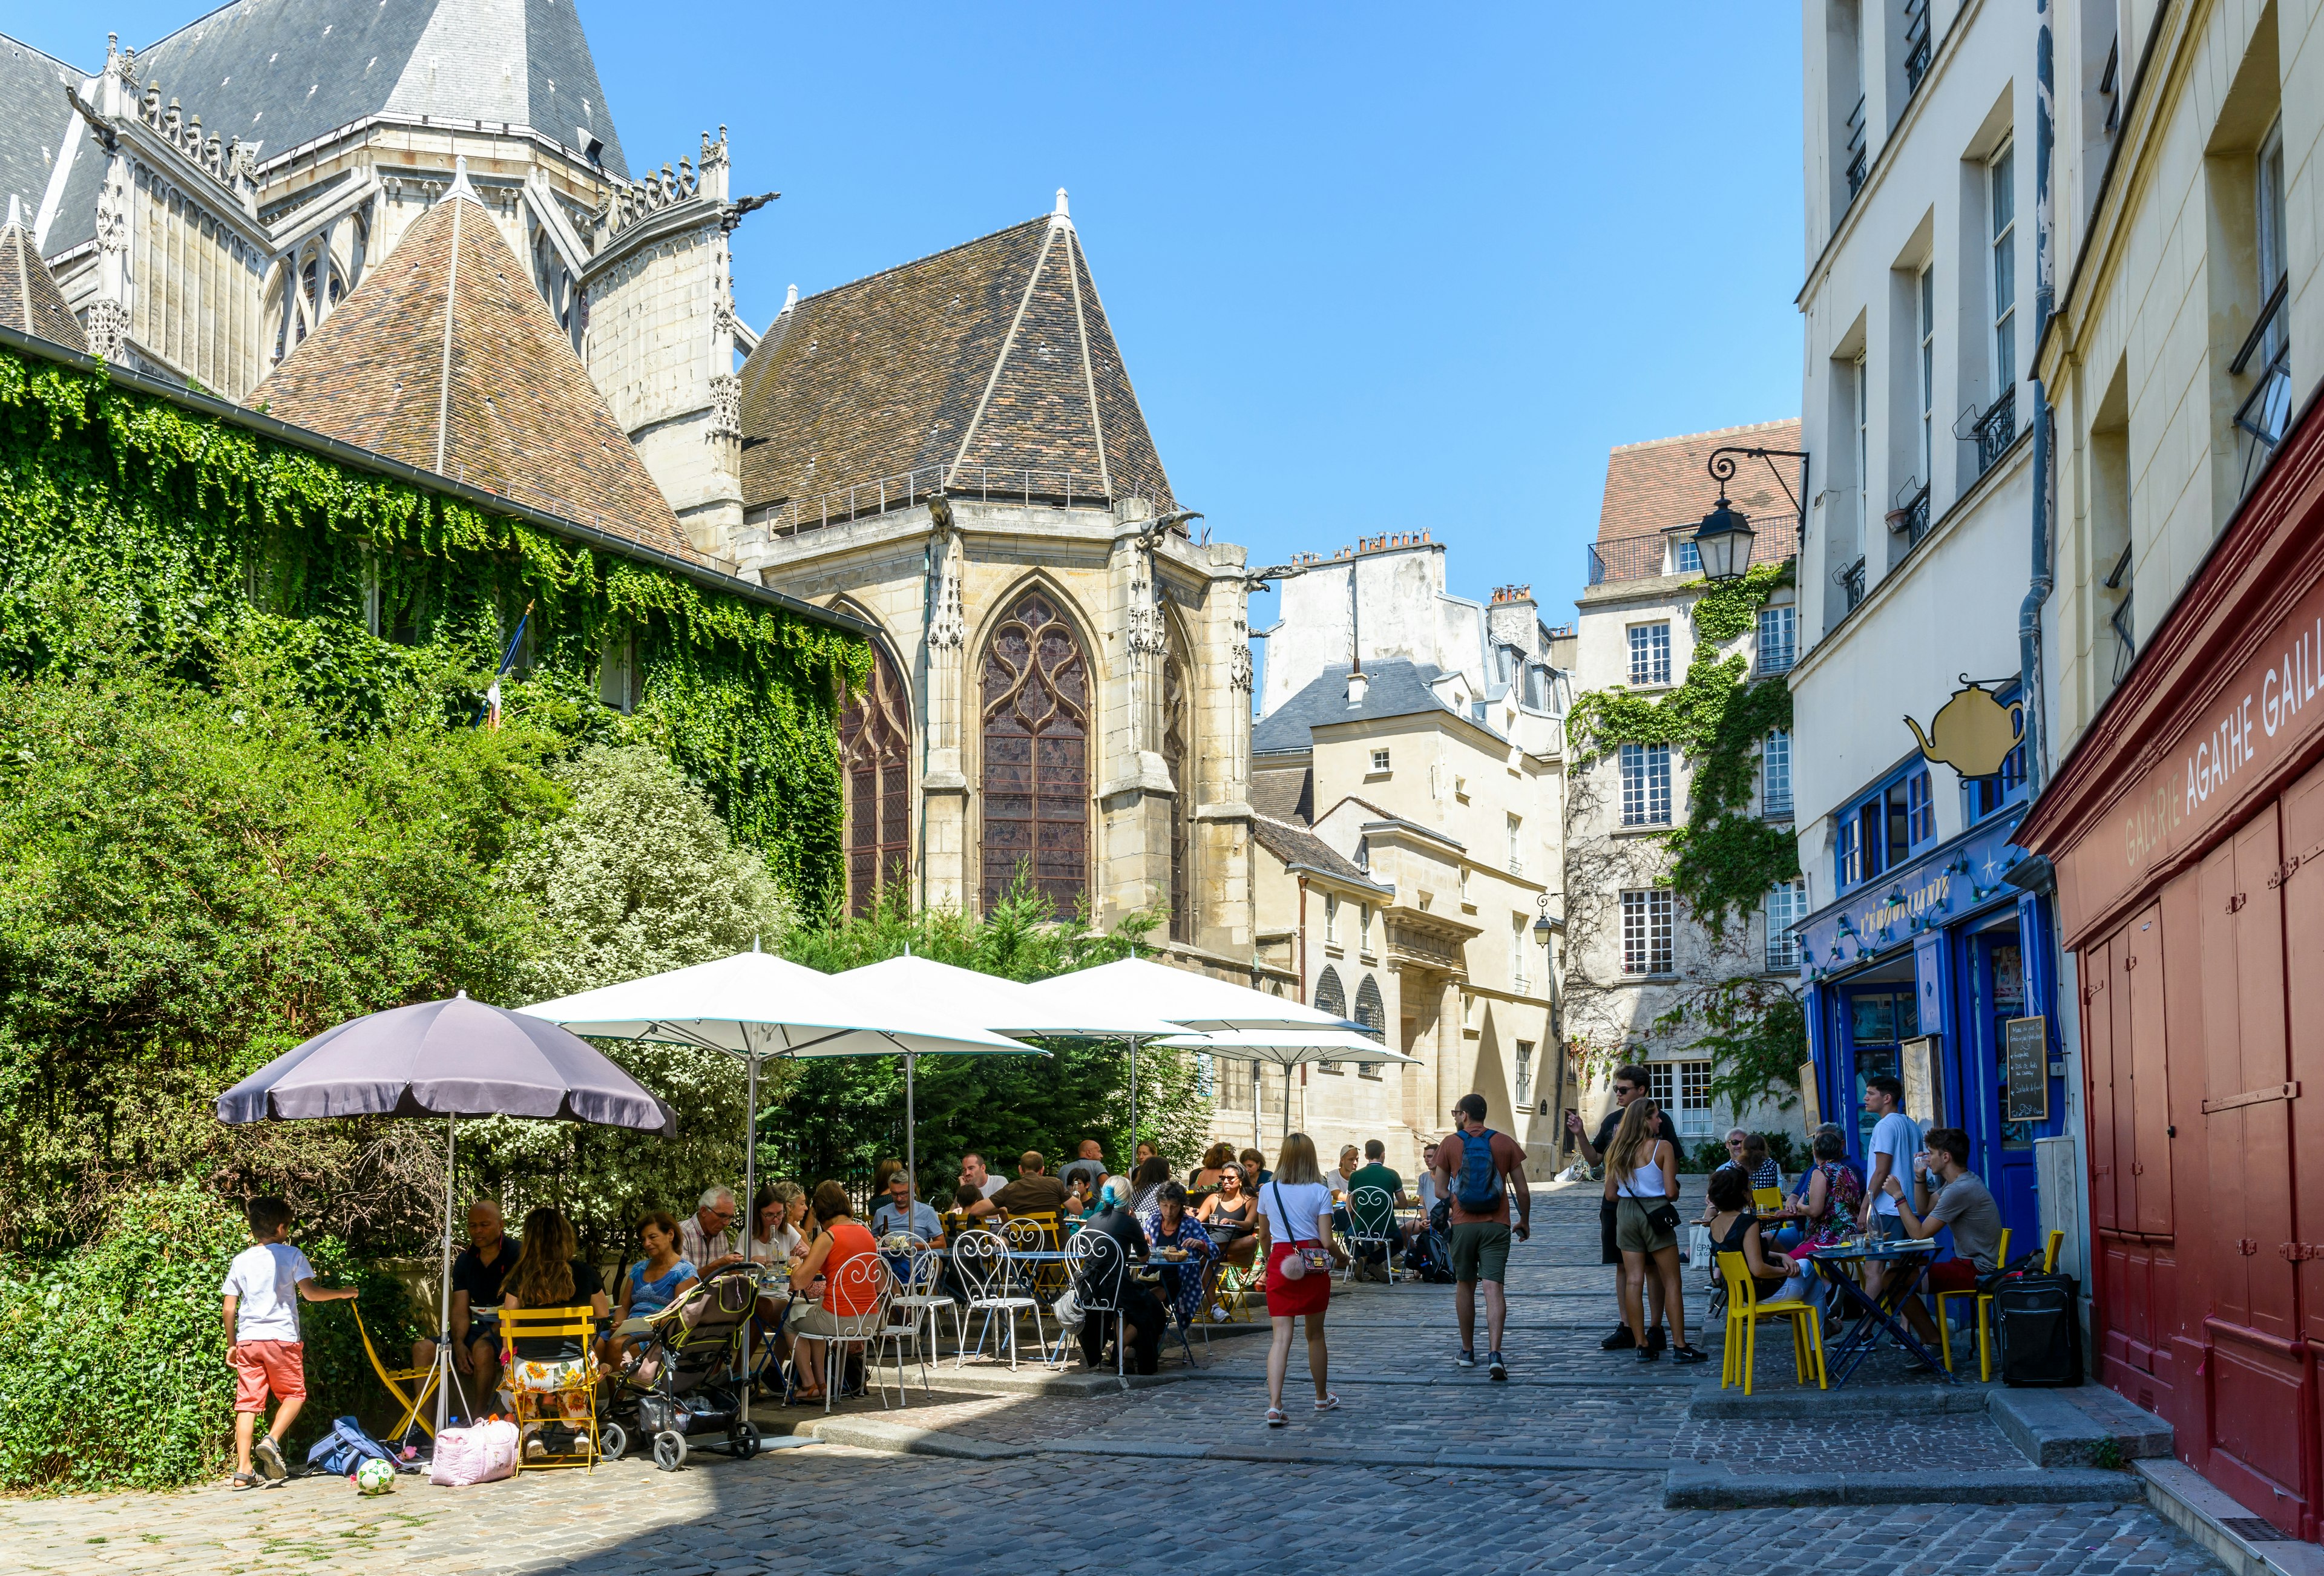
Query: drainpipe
[[1302, 941], [2037, 591]]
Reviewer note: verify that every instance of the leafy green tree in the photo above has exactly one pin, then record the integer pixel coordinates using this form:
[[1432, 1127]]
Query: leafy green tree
[[638, 876], [1755, 1032]]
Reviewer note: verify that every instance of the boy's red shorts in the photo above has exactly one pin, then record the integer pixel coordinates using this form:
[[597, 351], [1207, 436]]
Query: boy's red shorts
[[261, 1366], [1953, 1274]]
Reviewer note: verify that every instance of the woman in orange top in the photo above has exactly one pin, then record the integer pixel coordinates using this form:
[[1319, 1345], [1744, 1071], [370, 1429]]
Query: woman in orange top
[[842, 1271]]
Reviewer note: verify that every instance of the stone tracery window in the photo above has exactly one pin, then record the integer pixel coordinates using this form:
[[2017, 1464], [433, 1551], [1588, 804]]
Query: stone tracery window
[[1330, 995], [1371, 1010], [875, 737], [1036, 711]]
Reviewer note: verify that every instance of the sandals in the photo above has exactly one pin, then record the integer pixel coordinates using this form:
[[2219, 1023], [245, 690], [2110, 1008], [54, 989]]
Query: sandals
[[1330, 1402], [243, 1480], [1275, 1417]]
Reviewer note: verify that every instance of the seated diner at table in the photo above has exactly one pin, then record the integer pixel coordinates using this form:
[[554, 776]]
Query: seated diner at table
[[1734, 1229], [1118, 1288], [551, 1273], [1231, 1216], [1088, 1164], [653, 1283], [899, 1212], [1215, 1159], [1959, 1200], [706, 1237], [1256, 1173], [1835, 1190], [973, 1174], [1151, 1174], [831, 1295], [1033, 1192], [1182, 1247]]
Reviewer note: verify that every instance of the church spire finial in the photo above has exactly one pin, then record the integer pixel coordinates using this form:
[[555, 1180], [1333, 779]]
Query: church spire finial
[[1063, 214], [460, 186], [15, 212], [790, 298]]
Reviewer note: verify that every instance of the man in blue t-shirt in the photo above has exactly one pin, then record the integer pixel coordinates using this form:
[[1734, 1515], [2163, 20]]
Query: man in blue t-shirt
[[1895, 1140]]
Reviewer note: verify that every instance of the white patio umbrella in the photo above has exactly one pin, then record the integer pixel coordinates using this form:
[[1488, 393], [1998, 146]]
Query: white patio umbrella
[[1183, 998], [755, 1005], [1007, 1007], [1286, 1049]]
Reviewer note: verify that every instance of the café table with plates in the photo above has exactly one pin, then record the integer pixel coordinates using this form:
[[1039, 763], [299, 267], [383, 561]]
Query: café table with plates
[[1874, 1316]]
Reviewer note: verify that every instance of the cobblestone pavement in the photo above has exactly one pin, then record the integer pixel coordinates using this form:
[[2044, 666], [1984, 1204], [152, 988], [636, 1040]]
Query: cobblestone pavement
[[1593, 1430]]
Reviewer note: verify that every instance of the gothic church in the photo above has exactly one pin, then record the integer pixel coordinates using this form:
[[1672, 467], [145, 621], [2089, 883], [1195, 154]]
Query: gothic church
[[413, 225]]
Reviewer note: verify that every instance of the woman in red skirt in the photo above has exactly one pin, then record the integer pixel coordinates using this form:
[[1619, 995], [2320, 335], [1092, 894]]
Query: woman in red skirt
[[1298, 1210]]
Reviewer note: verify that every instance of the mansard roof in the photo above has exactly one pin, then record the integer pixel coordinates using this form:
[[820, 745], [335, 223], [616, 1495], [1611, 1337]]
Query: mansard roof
[[519, 417], [282, 72], [30, 301], [33, 119], [1393, 688], [978, 364]]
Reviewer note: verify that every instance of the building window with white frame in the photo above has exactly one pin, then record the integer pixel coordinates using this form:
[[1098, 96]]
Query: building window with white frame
[[1465, 884], [1331, 920], [1645, 784], [1779, 640], [1363, 928], [1686, 558], [1525, 1071], [1380, 760], [1787, 905], [1693, 1114], [1646, 927], [1776, 775], [1650, 656], [2001, 176], [1516, 845], [1517, 935]]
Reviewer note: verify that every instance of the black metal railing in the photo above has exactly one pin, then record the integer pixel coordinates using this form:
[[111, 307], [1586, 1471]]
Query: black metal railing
[[1996, 430], [1778, 656], [2266, 410], [1910, 519], [1645, 558], [1783, 952], [1775, 806], [1851, 584], [1859, 153], [1916, 44]]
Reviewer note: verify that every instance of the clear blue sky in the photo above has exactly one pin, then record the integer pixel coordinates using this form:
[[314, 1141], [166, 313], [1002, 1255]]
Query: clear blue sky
[[1372, 268]]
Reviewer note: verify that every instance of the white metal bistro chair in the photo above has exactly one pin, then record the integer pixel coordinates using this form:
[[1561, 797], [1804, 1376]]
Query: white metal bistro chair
[[1371, 1223], [863, 1284], [1096, 1265], [919, 1294], [980, 1264]]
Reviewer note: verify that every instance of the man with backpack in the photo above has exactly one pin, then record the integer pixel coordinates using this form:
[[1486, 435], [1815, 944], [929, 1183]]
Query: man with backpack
[[1475, 1166]]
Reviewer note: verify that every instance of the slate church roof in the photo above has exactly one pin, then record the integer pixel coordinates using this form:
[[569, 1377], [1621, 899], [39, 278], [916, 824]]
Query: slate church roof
[[989, 360], [1393, 688], [33, 120], [283, 72], [30, 301], [521, 417]]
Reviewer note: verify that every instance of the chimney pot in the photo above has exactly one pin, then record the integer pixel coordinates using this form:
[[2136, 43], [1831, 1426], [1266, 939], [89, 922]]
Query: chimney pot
[[1357, 685]]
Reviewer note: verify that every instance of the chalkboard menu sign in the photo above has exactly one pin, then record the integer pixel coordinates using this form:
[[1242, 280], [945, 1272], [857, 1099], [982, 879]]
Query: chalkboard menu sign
[[1808, 1098], [2025, 1060]]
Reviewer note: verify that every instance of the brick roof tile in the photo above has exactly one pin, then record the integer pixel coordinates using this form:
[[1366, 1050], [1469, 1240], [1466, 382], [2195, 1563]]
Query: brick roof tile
[[30, 301], [1661, 484]]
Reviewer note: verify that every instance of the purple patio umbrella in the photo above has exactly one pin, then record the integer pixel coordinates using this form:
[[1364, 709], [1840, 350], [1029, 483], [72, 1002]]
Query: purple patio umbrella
[[450, 1059]]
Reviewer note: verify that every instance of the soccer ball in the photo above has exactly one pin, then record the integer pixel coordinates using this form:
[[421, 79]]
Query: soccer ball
[[374, 1477]]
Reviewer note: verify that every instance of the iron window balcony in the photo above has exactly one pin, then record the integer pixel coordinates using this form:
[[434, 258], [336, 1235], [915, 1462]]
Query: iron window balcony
[[1777, 805], [1996, 430], [2266, 411], [1851, 584], [1911, 518]]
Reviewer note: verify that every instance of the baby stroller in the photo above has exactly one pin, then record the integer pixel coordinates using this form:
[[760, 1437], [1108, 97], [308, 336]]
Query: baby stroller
[[681, 1385]]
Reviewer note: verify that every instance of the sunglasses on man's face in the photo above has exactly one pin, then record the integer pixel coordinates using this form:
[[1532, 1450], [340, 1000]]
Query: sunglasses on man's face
[[1626, 1088]]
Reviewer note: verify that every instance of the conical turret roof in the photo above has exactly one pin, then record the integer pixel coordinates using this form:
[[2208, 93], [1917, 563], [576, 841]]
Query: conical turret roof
[[445, 358], [30, 301]]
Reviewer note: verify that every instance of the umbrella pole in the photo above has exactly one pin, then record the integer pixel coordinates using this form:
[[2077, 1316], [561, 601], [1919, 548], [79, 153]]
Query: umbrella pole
[[911, 1136], [443, 1311], [1133, 1105], [751, 1227], [1286, 1101]]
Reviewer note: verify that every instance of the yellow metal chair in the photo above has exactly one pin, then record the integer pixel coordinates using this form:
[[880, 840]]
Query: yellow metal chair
[[1984, 1306], [573, 1404], [396, 1380], [2050, 1254], [1744, 1312], [1767, 1200]]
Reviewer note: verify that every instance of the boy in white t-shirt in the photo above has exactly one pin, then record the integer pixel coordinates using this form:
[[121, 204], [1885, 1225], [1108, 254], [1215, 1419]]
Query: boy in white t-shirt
[[262, 1288]]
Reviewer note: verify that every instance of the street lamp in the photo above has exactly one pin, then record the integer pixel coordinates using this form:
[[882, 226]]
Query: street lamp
[[1544, 927], [1723, 539]]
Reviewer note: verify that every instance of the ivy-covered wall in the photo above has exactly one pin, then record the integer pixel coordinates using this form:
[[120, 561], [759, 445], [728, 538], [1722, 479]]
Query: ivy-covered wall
[[1724, 858], [132, 524]]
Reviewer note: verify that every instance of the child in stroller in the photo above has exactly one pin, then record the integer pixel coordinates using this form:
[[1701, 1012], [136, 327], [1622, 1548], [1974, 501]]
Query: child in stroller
[[681, 1384]]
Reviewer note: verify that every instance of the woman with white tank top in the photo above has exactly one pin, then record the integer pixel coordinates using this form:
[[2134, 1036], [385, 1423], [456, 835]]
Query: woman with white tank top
[[1645, 1169]]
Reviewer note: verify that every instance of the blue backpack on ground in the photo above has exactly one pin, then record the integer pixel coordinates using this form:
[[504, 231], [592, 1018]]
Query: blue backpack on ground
[[1479, 1186], [346, 1447]]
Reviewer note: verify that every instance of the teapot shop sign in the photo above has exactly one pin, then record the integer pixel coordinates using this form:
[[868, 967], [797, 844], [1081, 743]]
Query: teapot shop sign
[[2211, 771]]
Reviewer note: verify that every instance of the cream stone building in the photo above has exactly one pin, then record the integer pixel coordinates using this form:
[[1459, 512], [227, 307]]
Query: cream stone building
[[1406, 807], [950, 450], [1634, 949]]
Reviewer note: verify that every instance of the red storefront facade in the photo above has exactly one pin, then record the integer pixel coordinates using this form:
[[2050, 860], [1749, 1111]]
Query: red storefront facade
[[2187, 829]]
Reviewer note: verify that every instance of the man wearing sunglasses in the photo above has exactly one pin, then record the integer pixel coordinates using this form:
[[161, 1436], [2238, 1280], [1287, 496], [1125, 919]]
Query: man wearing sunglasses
[[1630, 1081]]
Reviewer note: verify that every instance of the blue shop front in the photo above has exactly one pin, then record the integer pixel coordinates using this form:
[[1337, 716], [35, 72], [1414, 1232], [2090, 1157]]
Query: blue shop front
[[1941, 973]]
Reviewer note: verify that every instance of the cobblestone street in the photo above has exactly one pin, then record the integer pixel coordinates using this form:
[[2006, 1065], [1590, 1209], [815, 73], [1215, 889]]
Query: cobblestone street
[[1397, 1479]]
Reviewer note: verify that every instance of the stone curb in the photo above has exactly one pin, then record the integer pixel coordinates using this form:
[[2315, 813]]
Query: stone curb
[[2208, 1514], [874, 1433], [1860, 1401], [2056, 1428], [1710, 1486]]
